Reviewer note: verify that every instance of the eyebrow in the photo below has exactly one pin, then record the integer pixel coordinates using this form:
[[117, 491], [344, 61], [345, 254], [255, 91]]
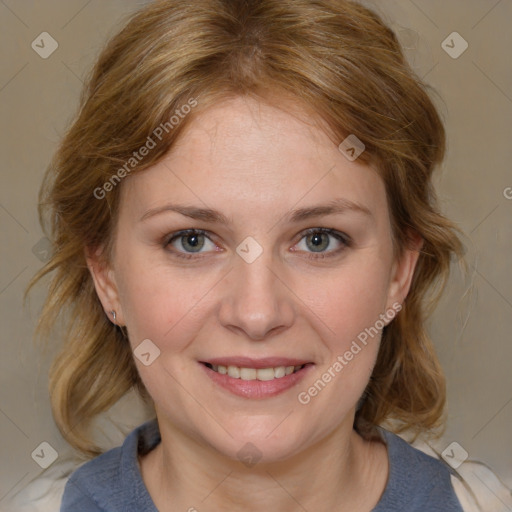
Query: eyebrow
[[336, 206]]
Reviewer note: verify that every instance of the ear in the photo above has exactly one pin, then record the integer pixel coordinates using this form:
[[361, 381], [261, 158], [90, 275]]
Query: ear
[[403, 271], [104, 282]]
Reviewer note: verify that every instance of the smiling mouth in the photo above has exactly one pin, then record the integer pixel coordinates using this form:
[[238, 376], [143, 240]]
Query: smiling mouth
[[262, 374]]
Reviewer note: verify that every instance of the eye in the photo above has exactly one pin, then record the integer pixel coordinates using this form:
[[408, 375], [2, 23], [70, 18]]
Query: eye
[[191, 242], [318, 240], [188, 242]]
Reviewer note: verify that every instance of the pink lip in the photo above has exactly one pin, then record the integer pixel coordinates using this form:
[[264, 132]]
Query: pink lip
[[257, 389], [248, 362]]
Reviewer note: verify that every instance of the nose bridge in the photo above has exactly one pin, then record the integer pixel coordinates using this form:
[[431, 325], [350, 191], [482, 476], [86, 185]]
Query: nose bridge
[[255, 300]]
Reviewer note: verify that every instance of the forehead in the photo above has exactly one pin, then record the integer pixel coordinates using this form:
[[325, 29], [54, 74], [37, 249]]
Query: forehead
[[246, 137], [243, 153]]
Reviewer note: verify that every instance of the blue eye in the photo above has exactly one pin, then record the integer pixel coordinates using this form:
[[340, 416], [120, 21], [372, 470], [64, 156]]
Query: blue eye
[[318, 240], [190, 243]]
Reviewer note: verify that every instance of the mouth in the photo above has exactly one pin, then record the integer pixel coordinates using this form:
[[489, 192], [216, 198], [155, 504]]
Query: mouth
[[250, 373], [256, 378]]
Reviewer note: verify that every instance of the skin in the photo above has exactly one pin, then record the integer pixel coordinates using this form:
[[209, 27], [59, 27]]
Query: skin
[[255, 163]]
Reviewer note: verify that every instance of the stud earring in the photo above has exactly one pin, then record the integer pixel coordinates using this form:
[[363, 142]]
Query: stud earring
[[121, 327]]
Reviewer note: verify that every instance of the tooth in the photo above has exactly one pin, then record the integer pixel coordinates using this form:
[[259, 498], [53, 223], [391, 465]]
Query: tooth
[[265, 374], [279, 371], [234, 371], [248, 373], [262, 374]]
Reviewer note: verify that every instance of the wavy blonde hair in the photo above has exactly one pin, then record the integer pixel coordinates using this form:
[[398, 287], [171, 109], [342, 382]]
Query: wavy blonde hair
[[335, 57]]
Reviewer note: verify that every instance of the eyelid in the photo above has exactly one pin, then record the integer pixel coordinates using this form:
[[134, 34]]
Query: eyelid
[[167, 239], [329, 231]]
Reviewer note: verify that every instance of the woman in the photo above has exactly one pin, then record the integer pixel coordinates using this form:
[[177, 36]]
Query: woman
[[246, 231]]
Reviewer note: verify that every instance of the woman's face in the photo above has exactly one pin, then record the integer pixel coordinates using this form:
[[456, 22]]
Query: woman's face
[[292, 266]]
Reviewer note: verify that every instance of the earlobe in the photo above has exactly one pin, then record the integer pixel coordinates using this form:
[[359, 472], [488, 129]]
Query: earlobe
[[105, 284]]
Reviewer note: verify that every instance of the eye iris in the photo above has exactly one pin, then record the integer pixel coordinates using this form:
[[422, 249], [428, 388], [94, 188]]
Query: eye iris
[[196, 242], [317, 241]]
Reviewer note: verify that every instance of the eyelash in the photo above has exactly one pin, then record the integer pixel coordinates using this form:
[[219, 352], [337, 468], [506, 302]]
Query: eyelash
[[341, 237]]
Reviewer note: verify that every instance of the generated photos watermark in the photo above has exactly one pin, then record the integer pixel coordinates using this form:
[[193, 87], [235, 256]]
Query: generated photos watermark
[[341, 361], [145, 149]]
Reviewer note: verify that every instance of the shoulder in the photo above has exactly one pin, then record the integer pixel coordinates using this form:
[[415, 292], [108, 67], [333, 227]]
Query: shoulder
[[112, 482], [417, 481]]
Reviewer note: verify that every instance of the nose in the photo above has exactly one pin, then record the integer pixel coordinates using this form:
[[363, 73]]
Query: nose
[[256, 301]]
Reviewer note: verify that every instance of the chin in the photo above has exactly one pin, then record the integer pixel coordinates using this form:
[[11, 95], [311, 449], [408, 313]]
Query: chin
[[262, 443]]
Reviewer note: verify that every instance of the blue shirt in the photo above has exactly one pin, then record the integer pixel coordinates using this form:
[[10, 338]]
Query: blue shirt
[[112, 482]]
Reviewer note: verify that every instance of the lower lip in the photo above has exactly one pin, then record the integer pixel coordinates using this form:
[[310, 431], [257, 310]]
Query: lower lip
[[257, 388]]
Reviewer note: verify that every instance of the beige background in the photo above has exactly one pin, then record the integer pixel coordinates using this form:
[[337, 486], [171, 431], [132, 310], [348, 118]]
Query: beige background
[[472, 326]]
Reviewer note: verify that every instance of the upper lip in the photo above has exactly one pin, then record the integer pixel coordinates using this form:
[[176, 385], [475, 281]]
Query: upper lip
[[249, 362]]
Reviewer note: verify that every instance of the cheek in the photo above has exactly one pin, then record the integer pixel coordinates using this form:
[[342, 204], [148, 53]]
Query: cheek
[[350, 311], [154, 300], [349, 300], [348, 304]]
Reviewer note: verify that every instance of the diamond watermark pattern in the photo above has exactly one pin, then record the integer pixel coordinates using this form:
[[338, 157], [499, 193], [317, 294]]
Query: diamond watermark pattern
[[45, 455], [249, 454], [454, 455], [146, 352], [43, 250], [44, 45], [352, 147], [249, 249], [454, 45]]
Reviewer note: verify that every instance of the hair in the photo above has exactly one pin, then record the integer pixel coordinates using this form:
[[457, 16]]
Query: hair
[[334, 57]]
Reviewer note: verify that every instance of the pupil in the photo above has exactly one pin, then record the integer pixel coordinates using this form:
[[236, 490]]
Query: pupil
[[316, 240], [193, 241]]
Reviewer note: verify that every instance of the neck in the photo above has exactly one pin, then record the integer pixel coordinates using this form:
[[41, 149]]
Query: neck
[[335, 473]]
